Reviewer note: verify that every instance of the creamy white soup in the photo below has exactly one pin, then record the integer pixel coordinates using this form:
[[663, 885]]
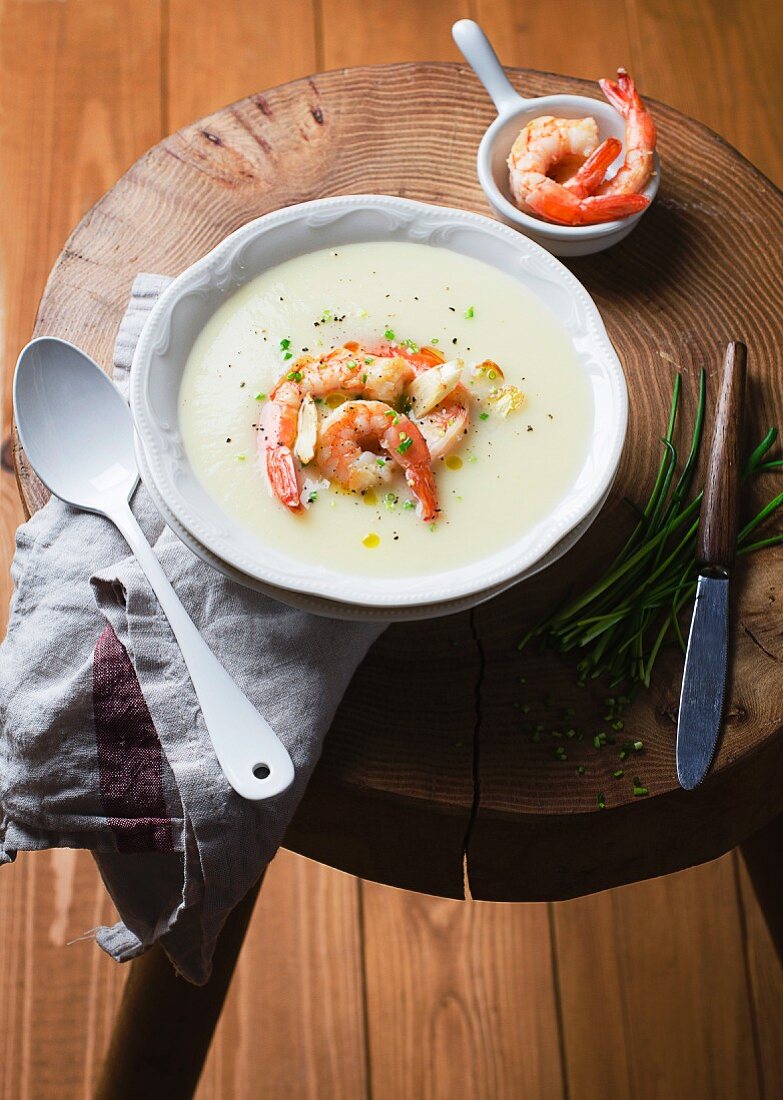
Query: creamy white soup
[[528, 424]]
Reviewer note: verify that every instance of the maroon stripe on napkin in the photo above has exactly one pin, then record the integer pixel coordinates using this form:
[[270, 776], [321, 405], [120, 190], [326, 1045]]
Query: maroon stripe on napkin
[[130, 762]]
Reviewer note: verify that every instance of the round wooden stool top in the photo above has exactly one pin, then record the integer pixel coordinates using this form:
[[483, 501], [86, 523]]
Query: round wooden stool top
[[430, 778]]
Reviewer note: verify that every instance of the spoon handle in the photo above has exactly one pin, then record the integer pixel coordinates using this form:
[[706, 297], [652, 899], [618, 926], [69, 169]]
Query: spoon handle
[[477, 51], [253, 760]]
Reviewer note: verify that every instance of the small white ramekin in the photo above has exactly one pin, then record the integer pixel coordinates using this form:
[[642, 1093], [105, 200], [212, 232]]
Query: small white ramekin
[[514, 112]]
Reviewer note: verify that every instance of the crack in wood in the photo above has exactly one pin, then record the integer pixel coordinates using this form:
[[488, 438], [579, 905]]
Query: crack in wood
[[756, 642], [476, 801]]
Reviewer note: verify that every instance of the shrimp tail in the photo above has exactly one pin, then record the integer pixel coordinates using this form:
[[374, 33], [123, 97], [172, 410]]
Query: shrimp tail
[[552, 201], [421, 482], [622, 93], [592, 172], [283, 477]]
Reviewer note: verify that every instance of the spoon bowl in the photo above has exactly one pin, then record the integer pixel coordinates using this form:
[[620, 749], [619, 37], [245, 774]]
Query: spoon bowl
[[77, 433], [515, 112], [84, 460]]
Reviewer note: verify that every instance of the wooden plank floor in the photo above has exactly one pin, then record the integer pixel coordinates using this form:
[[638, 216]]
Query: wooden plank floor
[[345, 989]]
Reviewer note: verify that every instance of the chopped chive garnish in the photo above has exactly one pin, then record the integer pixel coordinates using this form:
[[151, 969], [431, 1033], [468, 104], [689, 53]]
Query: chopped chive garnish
[[260, 396], [620, 624], [409, 505], [618, 773], [483, 416], [602, 801], [294, 376], [288, 355], [469, 313], [389, 334], [405, 443], [285, 344]]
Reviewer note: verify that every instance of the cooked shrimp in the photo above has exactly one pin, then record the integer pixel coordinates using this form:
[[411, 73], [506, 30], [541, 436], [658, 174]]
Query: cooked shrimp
[[640, 137], [590, 175], [444, 424], [348, 451], [279, 420], [552, 201], [540, 146], [348, 369]]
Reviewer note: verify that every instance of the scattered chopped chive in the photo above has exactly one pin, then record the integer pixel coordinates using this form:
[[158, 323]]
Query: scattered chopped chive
[[368, 361], [434, 340], [638, 790], [469, 312], [288, 355], [618, 774], [313, 497], [619, 725], [294, 376], [560, 753], [580, 770], [483, 416], [472, 458], [411, 345], [405, 443], [600, 740], [241, 458], [260, 396], [638, 746], [389, 334], [602, 801], [409, 505], [285, 344], [433, 527], [381, 461], [364, 379]]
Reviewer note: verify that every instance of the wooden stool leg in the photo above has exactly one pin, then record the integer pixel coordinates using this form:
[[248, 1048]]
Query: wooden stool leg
[[164, 1025], [763, 855]]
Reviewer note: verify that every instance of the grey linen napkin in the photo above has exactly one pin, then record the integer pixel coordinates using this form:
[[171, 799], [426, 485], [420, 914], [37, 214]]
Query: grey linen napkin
[[102, 744]]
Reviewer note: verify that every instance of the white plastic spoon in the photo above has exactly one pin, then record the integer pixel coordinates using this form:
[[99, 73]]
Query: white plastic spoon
[[77, 434]]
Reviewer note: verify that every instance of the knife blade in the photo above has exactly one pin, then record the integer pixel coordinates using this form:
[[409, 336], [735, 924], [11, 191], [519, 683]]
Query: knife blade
[[706, 661]]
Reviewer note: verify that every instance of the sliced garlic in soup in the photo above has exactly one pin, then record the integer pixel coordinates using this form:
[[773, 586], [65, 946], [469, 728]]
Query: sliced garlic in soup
[[434, 385], [306, 431]]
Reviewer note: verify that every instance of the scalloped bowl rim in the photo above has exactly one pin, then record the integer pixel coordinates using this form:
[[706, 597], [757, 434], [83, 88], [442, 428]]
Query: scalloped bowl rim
[[198, 513]]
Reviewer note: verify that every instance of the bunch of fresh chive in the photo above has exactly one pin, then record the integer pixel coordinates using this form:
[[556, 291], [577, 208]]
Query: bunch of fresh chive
[[620, 623]]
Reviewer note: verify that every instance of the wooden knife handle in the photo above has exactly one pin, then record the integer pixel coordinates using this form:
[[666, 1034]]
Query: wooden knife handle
[[720, 507]]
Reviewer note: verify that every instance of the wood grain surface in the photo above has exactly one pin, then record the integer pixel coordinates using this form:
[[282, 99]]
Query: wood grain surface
[[460, 767], [64, 62], [716, 540]]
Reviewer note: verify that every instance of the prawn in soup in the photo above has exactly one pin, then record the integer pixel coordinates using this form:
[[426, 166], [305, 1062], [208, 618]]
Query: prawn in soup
[[385, 408]]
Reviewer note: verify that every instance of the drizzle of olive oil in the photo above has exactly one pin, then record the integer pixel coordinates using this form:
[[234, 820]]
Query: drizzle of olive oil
[[370, 497], [454, 462], [372, 540]]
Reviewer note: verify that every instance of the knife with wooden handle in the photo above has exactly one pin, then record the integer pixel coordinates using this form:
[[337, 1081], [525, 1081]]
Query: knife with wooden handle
[[704, 678]]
